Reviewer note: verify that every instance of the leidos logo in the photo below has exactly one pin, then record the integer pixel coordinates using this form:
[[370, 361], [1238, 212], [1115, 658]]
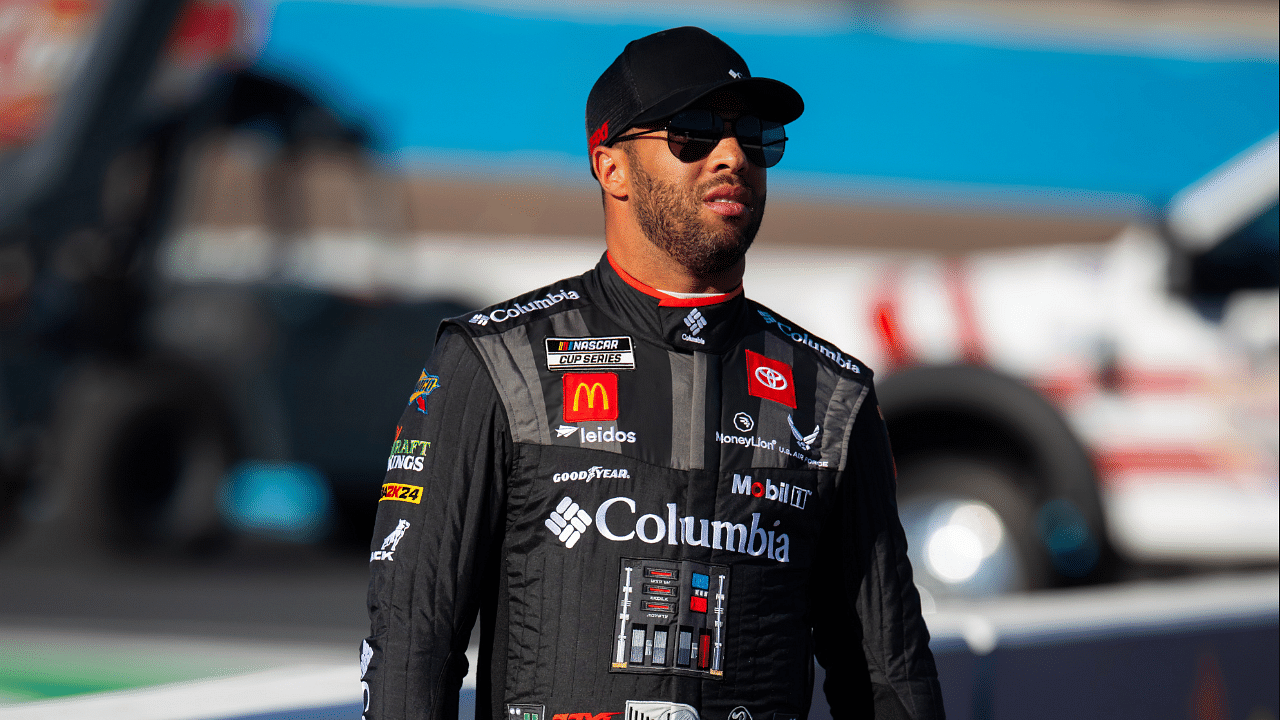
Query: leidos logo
[[590, 396]]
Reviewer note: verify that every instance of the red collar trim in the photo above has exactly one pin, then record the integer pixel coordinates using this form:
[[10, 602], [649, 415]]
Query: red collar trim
[[665, 300]]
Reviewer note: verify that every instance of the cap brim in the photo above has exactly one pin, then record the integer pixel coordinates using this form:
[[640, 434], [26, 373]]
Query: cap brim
[[766, 98]]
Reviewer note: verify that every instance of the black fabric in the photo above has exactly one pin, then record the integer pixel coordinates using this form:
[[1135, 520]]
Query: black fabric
[[783, 520]]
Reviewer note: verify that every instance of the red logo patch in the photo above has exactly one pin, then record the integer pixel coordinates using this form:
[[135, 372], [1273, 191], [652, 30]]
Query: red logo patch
[[590, 396], [598, 137], [770, 379]]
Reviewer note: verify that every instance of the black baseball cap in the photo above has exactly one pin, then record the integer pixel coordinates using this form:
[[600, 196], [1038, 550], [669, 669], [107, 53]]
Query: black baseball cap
[[661, 74]]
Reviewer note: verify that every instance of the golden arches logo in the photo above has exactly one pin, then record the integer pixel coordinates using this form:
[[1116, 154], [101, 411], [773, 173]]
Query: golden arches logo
[[600, 391], [591, 395]]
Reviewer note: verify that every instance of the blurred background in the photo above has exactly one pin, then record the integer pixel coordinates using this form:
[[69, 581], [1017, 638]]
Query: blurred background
[[228, 231]]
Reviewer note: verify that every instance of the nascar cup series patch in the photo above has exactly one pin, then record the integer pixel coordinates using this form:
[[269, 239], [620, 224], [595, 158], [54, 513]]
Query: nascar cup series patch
[[593, 353]]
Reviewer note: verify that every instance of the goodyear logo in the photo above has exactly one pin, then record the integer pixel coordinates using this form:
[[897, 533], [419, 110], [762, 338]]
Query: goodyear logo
[[590, 353], [403, 493], [590, 396]]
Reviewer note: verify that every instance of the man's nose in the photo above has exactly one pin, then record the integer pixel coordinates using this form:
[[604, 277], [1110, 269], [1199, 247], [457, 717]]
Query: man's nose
[[728, 153]]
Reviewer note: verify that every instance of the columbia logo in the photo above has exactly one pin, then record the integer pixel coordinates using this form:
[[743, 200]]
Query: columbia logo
[[695, 321], [568, 522], [479, 319]]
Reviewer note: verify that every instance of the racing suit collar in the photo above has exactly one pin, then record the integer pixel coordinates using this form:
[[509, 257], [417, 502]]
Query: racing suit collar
[[707, 324]]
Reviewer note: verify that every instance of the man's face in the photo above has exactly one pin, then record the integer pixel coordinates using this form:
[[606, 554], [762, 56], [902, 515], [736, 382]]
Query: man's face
[[704, 214]]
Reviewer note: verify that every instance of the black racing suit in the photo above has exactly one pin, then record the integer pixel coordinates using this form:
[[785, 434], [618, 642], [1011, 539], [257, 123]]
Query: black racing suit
[[661, 507]]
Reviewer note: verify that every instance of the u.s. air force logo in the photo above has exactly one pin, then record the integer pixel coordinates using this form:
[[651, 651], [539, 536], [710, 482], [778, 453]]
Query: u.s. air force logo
[[590, 353]]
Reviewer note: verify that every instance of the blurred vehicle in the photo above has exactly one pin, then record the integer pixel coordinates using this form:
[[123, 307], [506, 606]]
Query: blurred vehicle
[[148, 414]]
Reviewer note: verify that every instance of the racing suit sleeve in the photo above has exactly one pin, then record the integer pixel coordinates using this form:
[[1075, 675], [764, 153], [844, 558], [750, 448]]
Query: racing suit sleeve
[[864, 596], [436, 538]]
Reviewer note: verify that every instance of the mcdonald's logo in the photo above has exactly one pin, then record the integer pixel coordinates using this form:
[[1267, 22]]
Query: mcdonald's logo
[[590, 396]]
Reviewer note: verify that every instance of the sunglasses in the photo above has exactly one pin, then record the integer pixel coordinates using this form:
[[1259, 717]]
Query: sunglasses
[[693, 134]]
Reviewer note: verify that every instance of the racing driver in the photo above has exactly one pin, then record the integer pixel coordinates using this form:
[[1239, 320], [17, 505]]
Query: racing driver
[[661, 498]]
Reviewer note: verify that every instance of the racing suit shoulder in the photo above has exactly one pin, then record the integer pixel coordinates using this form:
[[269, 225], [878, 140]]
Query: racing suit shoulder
[[826, 352], [436, 536]]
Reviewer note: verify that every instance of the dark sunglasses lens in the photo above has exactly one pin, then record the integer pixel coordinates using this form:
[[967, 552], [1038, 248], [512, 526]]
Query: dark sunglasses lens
[[693, 134], [762, 140]]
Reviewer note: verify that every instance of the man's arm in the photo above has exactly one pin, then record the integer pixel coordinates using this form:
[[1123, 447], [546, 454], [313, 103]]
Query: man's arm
[[437, 535], [871, 602]]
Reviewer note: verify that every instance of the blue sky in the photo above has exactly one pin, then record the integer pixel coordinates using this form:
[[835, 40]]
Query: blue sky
[[466, 90]]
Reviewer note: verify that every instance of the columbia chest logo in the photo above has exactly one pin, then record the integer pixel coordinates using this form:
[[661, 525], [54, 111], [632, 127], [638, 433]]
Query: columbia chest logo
[[568, 522], [595, 353], [590, 396]]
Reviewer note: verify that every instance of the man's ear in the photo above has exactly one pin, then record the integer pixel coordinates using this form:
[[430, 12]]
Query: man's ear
[[612, 170]]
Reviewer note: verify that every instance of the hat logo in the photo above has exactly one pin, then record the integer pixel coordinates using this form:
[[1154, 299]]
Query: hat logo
[[598, 136], [735, 74]]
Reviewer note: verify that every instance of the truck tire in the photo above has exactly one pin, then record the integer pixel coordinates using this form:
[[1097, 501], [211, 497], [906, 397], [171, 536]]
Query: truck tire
[[971, 528], [977, 420]]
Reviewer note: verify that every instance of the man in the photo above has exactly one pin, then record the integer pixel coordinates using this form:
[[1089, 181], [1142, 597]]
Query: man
[[661, 498]]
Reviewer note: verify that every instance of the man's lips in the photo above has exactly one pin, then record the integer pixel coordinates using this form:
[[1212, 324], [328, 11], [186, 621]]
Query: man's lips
[[729, 200]]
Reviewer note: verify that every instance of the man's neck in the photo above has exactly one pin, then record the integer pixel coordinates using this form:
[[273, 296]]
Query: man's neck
[[649, 264]]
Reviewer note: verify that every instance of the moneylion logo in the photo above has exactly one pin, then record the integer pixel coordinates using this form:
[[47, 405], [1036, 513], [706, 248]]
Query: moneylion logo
[[590, 396], [739, 713]]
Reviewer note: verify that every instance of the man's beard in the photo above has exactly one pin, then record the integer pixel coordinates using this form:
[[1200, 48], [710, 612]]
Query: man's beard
[[671, 220]]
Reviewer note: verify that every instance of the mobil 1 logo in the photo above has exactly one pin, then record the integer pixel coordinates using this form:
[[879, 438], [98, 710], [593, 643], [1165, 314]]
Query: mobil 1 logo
[[592, 353]]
